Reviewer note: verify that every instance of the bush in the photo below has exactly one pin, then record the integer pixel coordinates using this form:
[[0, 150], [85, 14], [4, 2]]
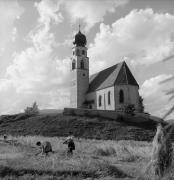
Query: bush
[[129, 109], [32, 110]]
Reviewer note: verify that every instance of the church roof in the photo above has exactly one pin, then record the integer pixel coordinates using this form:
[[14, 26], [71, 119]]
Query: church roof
[[119, 74]]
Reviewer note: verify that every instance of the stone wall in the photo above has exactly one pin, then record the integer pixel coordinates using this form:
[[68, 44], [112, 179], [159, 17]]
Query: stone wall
[[137, 117]]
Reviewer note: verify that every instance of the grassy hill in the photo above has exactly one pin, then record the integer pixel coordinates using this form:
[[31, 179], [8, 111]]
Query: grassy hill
[[92, 159], [84, 127]]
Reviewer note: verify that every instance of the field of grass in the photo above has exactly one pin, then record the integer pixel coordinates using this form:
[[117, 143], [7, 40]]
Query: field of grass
[[96, 157], [92, 159]]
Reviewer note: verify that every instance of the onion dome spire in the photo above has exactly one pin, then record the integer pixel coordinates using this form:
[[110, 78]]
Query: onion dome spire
[[80, 39]]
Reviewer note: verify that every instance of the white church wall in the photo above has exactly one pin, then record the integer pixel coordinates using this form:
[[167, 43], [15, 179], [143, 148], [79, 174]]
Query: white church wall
[[131, 96], [104, 99]]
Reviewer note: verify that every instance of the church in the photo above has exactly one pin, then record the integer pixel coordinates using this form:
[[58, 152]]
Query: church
[[113, 88]]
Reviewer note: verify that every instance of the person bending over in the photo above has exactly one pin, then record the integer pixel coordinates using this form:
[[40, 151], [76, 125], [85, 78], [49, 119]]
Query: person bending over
[[45, 147]]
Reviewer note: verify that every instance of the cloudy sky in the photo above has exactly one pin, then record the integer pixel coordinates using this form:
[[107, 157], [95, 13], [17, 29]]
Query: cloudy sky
[[36, 40]]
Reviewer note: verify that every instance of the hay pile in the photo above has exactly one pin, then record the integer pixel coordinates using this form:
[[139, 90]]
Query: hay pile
[[161, 157]]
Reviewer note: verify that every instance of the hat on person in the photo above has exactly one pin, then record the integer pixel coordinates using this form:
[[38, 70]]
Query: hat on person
[[69, 138]]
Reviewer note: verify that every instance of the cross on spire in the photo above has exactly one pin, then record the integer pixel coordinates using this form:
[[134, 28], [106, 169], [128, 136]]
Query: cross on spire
[[79, 26]]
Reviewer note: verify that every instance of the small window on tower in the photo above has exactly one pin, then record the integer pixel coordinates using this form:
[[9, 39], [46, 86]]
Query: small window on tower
[[73, 53], [83, 52], [82, 65], [78, 52], [73, 64]]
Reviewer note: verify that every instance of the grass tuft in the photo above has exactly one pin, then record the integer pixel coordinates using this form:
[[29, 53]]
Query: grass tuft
[[105, 151]]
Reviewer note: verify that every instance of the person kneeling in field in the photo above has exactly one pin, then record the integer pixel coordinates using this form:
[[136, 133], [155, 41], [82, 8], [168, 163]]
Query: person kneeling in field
[[71, 145], [45, 147]]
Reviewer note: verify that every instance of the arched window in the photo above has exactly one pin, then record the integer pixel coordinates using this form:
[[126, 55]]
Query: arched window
[[121, 96], [73, 64], [109, 97], [82, 65], [78, 52], [100, 101]]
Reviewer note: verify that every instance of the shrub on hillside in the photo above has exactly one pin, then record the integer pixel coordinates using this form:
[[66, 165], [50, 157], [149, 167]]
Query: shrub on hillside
[[130, 108], [141, 105], [34, 110]]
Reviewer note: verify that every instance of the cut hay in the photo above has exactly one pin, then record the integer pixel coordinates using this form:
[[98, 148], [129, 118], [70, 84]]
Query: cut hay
[[161, 158]]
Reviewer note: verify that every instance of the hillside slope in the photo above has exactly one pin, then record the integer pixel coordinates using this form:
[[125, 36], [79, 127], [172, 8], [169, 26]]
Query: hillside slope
[[84, 127]]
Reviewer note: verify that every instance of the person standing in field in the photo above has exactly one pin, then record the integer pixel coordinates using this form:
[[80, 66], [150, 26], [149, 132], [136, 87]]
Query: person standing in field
[[45, 147], [71, 145]]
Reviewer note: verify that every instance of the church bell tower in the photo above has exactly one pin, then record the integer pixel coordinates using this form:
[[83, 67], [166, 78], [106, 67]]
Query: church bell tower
[[79, 71]]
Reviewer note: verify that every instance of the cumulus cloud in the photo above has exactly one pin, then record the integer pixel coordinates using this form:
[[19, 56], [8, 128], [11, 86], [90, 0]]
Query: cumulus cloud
[[91, 12], [10, 11], [156, 99], [35, 74], [143, 36], [49, 11]]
